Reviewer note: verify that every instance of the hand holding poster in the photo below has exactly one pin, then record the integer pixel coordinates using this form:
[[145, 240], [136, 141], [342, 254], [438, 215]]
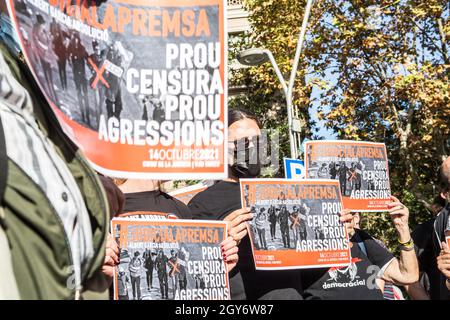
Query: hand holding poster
[[171, 259], [140, 86], [360, 167], [295, 223]]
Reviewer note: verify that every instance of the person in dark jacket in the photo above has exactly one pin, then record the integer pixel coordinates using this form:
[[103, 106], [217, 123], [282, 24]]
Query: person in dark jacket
[[284, 226], [59, 37], [113, 94], [161, 267], [149, 265], [272, 221], [342, 173], [441, 230], [97, 59], [428, 286], [78, 59], [42, 44]]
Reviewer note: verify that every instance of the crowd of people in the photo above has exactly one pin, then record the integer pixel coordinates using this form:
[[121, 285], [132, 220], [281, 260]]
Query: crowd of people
[[55, 211]]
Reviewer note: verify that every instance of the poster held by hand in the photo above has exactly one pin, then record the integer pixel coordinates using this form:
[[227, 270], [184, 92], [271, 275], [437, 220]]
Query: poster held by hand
[[139, 86], [295, 223], [361, 168]]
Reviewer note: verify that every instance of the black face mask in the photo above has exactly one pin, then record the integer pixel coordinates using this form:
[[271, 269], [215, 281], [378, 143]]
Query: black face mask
[[250, 166]]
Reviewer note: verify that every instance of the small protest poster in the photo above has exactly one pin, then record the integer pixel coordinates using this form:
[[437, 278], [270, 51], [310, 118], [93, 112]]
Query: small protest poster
[[170, 259], [139, 86], [295, 224], [360, 167]]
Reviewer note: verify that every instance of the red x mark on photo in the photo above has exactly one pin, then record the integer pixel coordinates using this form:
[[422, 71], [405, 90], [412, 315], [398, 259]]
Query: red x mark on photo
[[99, 73], [175, 268], [352, 175], [296, 221]]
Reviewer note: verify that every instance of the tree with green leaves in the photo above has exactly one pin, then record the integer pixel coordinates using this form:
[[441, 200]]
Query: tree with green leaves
[[380, 72]]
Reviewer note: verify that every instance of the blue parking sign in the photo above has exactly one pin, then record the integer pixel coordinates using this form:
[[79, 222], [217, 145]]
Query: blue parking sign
[[294, 169]]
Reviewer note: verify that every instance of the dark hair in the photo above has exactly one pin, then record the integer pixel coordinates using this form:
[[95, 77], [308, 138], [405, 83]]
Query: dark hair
[[439, 202], [240, 113]]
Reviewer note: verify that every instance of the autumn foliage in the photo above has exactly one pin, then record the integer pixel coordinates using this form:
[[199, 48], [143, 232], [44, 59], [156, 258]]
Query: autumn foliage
[[371, 70]]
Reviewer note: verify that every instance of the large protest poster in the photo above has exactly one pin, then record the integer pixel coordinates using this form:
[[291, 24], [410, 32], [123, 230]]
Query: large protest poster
[[295, 224], [139, 85], [170, 259], [186, 194], [361, 168]]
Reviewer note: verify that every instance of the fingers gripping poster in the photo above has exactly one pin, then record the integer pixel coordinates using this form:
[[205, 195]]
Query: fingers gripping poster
[[171, 259], [295, 224], [139, 85], [360, 167]]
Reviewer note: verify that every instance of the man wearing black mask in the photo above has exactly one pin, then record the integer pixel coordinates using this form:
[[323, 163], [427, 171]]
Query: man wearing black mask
[[222, 201]]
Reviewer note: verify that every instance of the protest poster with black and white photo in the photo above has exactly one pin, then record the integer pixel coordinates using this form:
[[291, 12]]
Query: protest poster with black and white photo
[[361, 168], [295, 223], [170, 260], [139, 85]]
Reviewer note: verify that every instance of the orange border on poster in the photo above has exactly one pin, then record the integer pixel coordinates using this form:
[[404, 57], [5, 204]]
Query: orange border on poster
[[361, 205], [175, 222]]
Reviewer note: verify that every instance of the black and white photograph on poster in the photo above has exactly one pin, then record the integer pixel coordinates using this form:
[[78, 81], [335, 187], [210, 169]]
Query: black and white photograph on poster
[[71, 62], [360, 167], [280, 226], [170, 260], [161, 271], [97, 68]]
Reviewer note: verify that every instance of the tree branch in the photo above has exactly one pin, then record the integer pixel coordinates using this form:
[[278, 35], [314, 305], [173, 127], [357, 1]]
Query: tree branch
[[443, 40]]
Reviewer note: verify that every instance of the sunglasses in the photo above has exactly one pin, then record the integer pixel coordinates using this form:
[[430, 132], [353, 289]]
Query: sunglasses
[[244, 143]]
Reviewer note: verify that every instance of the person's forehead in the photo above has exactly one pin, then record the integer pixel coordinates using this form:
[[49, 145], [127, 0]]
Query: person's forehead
[[243, 128]]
